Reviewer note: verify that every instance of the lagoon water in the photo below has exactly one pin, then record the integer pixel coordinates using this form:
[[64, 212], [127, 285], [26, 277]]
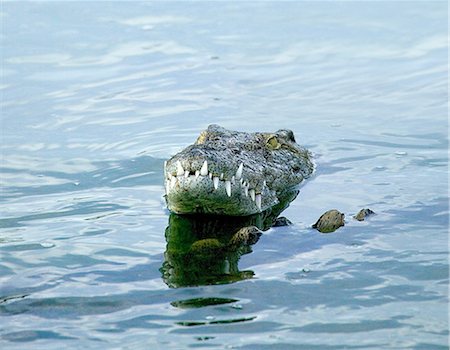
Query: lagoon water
[[96, 95]]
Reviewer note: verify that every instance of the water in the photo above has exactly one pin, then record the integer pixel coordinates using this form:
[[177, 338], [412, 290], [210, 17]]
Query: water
[[96, 95]]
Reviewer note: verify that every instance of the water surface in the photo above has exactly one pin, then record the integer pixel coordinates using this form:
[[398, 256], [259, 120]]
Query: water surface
[[96, 95]]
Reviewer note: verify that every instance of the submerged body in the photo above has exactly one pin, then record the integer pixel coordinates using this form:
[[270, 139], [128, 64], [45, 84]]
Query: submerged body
[[235, 173]]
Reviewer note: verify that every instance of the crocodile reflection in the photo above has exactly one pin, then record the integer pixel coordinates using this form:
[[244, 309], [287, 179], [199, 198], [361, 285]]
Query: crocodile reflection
[[205, 249]]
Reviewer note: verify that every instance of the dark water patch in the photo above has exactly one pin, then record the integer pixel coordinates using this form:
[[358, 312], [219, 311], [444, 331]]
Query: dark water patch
[[76, 307], [419, 272], [355, 327], [205, 323], [24, 247], [112, 330], [29, 336], [300, 346], [142, 322], [429, 346], [201, 302], [90, 233], [70, 307], [239, 325], [102, 216]]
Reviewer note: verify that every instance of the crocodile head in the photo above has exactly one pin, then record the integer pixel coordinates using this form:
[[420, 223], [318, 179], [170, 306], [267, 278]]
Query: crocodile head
[[235, 173]]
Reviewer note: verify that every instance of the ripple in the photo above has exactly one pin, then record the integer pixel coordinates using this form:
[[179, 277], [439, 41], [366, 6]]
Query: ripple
[[201, 302], [204, 323], [366, 326], [29, 336]]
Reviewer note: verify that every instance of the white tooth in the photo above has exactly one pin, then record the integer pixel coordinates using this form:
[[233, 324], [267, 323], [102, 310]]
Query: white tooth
[[197, 173], [186, 174], [180, 170], [264, 183], [252, 194], [241, 181], [169, 176], [173, 181], [246, 191], [258, 200], [228, 187], [167, 186], [204, 169], [221, 176], [239, 171], [232, 180], [216, 182], [210, 175]]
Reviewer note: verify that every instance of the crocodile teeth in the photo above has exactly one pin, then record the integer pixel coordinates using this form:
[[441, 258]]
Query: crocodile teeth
[[210, 175], [239, 171], [258, 200], [252, 194], [180, 170], [173, 181], [167, 186], [186, 174], [197, 173], [221, 176], [228, 187], [246, 191], [216, 182], [204, 169]]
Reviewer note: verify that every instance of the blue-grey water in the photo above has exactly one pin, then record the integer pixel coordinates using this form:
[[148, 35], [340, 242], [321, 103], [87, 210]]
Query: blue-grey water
[[96, 95]]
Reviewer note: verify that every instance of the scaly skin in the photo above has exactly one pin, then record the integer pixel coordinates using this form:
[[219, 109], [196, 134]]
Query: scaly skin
[[235, 173]]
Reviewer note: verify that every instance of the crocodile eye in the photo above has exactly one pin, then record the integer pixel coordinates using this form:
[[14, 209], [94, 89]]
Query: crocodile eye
[[286, 134], [272, 142]]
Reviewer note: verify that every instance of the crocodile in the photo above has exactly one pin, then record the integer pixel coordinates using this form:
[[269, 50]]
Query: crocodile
[[235, 173]]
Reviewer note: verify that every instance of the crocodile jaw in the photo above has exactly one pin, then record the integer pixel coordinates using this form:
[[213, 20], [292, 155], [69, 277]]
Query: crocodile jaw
[[190, 192]]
